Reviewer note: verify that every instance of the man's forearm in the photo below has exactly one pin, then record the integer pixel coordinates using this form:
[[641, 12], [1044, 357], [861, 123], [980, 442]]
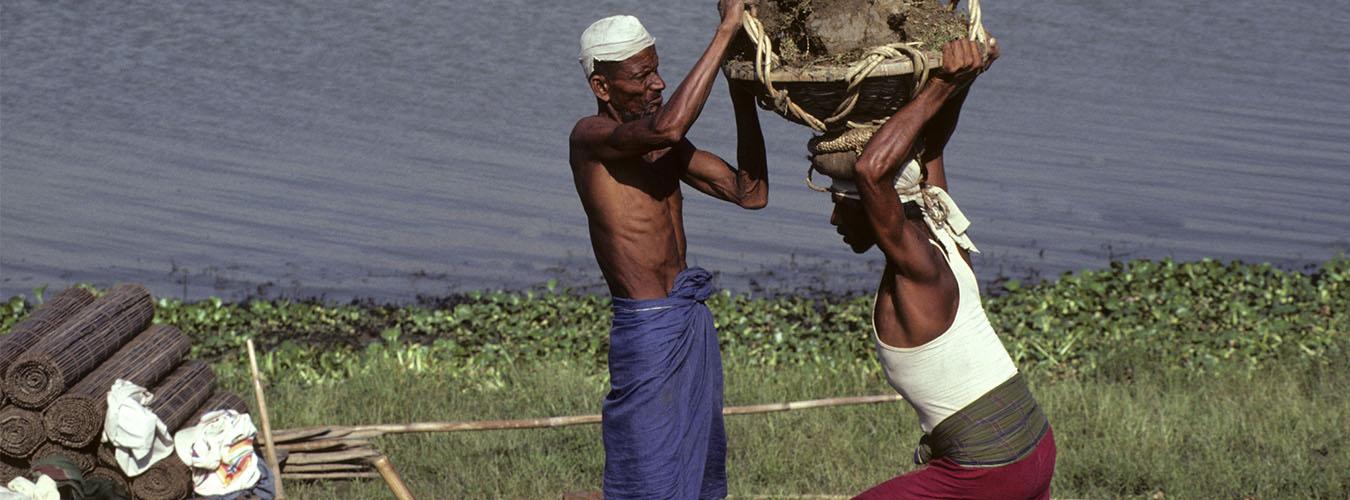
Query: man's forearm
[[938, 131], [894, 142], [678, 115], [753, 172], [936, 134]]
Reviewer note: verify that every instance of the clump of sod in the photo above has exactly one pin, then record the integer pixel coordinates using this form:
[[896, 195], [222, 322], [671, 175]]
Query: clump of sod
[[807, 32]]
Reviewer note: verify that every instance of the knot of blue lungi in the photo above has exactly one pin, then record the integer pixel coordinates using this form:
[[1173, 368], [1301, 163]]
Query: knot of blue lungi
[[662, 419], [692, 286], [694, 283]]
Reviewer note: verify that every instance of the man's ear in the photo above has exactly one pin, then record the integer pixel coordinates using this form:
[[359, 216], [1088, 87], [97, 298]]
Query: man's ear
[[600, 86]]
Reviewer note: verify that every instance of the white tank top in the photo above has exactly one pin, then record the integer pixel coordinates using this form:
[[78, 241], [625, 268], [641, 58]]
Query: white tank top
[[960, 365]]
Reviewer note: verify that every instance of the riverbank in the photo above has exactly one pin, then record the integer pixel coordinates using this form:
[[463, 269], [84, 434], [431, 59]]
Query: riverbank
[[1197, 316], [1197, 379]]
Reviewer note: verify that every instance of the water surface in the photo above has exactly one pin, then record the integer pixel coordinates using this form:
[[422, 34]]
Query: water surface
[[391, 149]]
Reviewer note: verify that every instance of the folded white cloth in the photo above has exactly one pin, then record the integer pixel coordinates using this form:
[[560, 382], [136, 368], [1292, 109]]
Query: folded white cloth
[[220, 451], [139, 438], [613, 38], [23, 489], [939, 209]]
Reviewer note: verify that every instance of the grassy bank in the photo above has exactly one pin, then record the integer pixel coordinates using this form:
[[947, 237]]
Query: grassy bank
[[1196, 380], [1269, 433]]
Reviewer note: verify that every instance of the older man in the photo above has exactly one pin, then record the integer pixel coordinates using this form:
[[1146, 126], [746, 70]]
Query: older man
[[662, 423], [984, 434]]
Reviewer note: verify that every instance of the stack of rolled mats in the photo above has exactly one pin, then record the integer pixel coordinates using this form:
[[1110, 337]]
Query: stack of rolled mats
[[58, 366]]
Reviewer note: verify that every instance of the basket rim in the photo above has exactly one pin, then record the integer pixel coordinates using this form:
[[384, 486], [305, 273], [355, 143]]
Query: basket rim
[[821, 73]]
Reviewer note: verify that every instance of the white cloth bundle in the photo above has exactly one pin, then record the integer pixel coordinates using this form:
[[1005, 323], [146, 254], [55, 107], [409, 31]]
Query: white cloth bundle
[[220, 451], [613, 38], [23, 489], [139, 438]]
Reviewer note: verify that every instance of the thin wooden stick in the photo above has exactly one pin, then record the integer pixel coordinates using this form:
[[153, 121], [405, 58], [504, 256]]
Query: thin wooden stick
[[266, 423], [337, 456], [815, 403], [370, 431], [391, 477], [307, 433], [327, 444], [333, 475], [315, 468]]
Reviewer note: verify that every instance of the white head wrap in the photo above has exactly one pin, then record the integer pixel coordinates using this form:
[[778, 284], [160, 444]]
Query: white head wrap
[[939, 210], [613, 38]]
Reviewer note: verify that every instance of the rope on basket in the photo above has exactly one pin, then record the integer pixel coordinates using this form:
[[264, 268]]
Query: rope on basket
[[854, 135], [765, 60]]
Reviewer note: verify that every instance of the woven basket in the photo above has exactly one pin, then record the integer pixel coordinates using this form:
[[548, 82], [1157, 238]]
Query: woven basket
[[819, 90], [831, 98]]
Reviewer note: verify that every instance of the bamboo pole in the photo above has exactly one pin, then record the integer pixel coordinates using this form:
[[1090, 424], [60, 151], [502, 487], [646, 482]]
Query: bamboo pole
[[306, 434], [327, 444], [815, 403], [266, 423], [391, 477], [337, 456], [317, 468], [333, 475], [370, 431]]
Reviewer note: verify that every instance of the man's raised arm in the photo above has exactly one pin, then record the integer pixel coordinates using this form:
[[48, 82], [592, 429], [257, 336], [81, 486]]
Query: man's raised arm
[[748, 185], [939, 130], [892, 146], [609, 139]]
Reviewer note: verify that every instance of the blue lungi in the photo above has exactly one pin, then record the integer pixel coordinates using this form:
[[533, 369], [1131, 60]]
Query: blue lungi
[[663, 416]]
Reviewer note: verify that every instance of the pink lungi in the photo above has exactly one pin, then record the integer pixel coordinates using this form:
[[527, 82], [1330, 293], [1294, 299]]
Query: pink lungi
[[942, 478]]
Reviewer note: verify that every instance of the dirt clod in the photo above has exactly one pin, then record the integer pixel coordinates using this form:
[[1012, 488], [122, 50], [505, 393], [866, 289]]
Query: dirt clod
[[806, 32]]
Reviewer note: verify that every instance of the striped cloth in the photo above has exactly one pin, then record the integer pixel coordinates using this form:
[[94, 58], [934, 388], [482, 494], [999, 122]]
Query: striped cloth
[[999, 428]]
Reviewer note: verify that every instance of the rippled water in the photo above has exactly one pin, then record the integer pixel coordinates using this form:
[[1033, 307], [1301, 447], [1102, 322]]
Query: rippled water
[[389, 149]]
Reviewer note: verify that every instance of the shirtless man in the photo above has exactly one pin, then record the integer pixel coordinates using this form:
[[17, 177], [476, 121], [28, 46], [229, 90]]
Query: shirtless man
[[984, 434], [662, 422]]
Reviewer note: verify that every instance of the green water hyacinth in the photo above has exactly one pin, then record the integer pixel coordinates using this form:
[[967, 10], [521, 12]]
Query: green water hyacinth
[[1193, 316]]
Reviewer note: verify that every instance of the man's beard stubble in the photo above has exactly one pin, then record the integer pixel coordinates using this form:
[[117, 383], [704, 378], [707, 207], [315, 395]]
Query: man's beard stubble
[[628, 116]]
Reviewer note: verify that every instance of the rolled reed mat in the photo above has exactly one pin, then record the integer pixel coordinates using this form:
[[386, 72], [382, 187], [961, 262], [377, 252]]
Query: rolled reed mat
[[112, 474], [168, 479], [84, 459], [64, 356], [41, 321], [20, 432], [11, 468], [76, 418], [107, 455], [179, 395], [220, 400]]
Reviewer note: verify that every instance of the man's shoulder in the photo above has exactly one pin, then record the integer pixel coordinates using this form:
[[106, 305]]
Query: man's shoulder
[[589, 129]]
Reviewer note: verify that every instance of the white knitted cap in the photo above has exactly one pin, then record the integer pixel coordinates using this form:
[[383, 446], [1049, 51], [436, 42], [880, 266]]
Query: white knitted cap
[[613, 38]]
